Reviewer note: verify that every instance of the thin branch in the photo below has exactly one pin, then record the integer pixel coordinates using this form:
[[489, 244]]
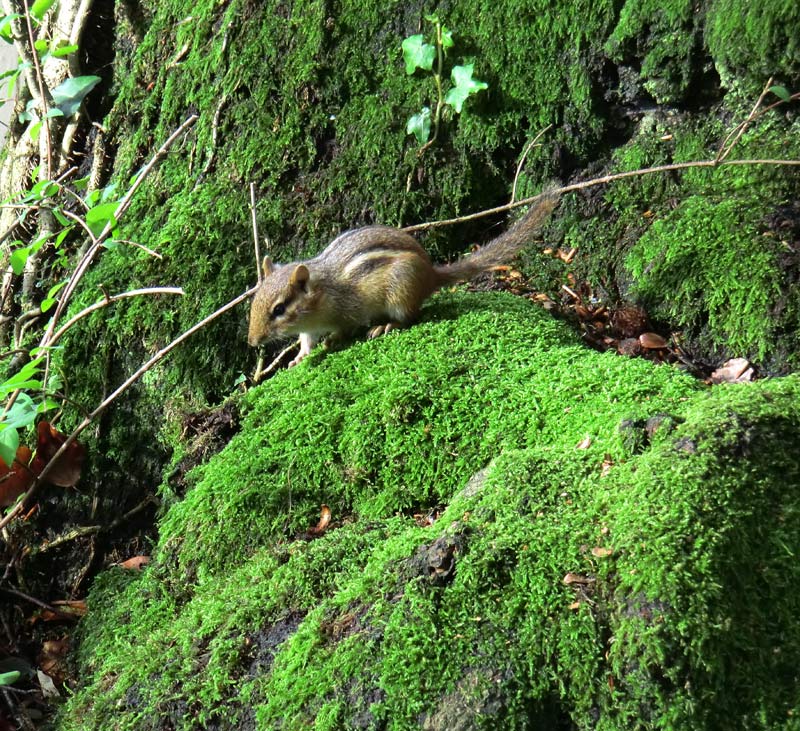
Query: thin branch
[[259, 373], [37, 602], [107, 301], [593, 182], [44, 93], [115, 395], [88, 530], [123, 206], [521, 162], [739, 130], [259, 274]]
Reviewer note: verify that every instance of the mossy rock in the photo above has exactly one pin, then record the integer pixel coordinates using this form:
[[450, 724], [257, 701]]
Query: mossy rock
[[584, 580]]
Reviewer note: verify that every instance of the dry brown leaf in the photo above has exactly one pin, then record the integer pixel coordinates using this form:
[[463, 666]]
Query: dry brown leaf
[[599, 552], [135, 563], [324, 520], [735, 370], [72, 606], [67, 469], [652, 341], [571, 578], [585, 443], [15, 481]]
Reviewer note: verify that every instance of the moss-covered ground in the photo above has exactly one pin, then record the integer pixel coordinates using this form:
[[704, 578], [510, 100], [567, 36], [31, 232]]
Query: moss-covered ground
[[627, 561]]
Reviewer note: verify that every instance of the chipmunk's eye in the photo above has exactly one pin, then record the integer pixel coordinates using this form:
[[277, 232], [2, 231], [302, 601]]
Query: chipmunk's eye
[[278, 310]]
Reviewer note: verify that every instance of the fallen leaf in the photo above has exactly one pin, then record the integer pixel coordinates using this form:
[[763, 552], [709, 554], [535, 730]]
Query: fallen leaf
[[73, 606], [135, 563], [574, 605], [598, 552], [67, 469], [571, 578], [585, 443], [652, 341], [47, 685], [15, 481], [735, 370], [322, 525], [51, 658]]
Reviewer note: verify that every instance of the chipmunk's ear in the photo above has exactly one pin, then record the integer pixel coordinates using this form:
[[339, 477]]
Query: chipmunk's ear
[[267, 266], [299, 276]]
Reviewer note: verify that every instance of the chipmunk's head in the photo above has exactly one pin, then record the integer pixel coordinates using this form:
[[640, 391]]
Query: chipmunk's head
[[281, 303]]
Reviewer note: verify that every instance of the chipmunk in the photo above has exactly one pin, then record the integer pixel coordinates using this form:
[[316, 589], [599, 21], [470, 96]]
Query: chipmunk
[[375, 277]]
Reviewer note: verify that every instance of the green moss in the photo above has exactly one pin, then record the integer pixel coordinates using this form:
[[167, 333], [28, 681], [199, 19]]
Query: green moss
[[664, 35], [753, 41], [675, 612]]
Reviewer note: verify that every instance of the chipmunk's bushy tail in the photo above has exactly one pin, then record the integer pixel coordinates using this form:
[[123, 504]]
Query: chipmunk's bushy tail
[[502, 249]]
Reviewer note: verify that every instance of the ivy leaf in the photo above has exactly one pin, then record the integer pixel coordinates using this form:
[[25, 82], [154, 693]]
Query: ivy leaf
[[51, 299], [69, 94], [781, 92], [417, 54], [420, 125], [40, 7], [63, 50], [19, 257], [10, 677], [99, 216], [5, 26], [21, 415], [464, 86], [9, 441], [447, 38]]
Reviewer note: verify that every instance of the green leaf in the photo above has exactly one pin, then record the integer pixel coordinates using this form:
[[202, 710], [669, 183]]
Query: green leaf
[[69, 94], [63, 234], [36, 128], [22, 414], [99, 216], [781, 92], [10, 678], [109, 192], [418, 54], [5, 26], [81, 183], [447, 38], [420, 125], [51, 299], [19, 257], [41, 45], [40, 7], [9, 441], [61, 51], [464, 86], [432, 18], [43, 189]]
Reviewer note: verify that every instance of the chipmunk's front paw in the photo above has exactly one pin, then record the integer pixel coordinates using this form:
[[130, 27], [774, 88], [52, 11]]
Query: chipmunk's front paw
[[379, 330]]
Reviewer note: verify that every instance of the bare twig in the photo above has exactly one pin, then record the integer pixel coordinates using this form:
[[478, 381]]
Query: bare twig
[[593, 182], [259, 373], [107, 301], [521, 162], [115, 395], [44, 94], [739, 130], [88, 530], [34, 600], [123, 206], [253, 218]]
